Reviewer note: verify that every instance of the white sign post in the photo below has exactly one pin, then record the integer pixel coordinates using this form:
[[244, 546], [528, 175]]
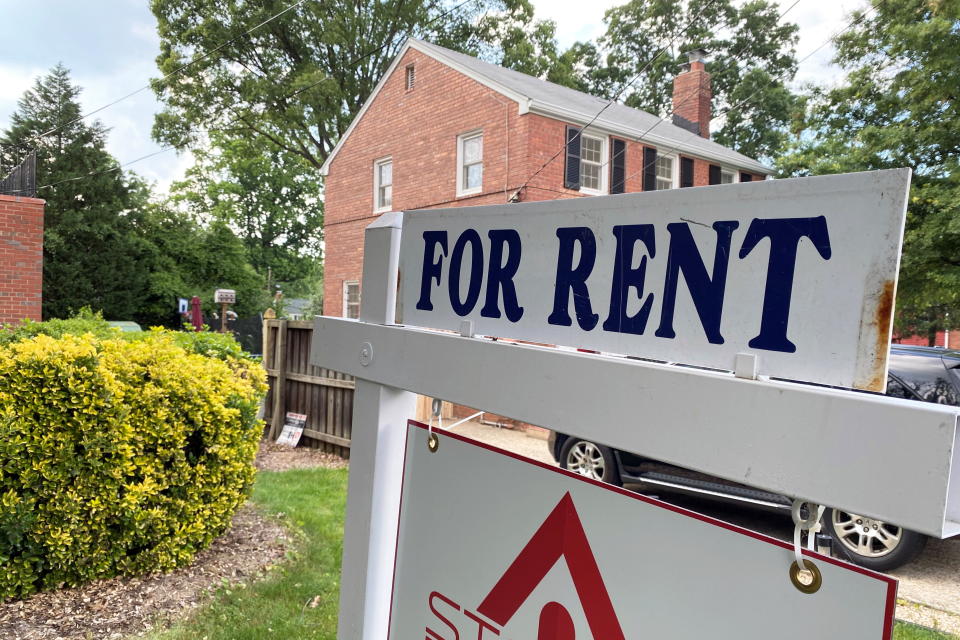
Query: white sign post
[[814, 443]]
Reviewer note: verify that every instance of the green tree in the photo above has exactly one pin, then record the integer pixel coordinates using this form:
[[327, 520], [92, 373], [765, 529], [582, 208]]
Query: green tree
[[92, 256], [297, 82], [751, 59], [898, 108], [187, 259], [270, 197]]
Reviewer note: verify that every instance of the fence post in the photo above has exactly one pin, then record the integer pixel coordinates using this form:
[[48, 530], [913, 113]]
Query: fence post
[[378, 437], [280, 381]]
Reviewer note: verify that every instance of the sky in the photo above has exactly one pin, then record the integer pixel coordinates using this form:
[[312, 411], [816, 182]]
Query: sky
[[110, 47]]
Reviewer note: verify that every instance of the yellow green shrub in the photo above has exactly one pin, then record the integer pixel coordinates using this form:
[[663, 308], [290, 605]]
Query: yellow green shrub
[[118, 457]]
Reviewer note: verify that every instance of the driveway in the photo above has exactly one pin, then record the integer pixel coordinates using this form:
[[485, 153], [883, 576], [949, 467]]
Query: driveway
[[929, 592]]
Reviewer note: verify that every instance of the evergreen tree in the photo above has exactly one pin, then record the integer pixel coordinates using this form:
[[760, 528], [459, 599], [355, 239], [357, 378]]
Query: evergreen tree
[[92, 257]]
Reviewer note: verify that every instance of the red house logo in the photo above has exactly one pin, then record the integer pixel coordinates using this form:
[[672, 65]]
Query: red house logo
[[560, 536]]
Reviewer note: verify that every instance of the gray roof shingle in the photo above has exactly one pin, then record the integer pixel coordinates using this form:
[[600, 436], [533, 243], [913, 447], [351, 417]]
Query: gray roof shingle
[[580, 108]]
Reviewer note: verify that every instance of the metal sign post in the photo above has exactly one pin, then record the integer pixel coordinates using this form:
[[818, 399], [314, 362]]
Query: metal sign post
[[809, 442]]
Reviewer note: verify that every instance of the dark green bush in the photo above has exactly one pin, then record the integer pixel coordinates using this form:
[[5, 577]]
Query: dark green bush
[[85, 321], [118, 456]]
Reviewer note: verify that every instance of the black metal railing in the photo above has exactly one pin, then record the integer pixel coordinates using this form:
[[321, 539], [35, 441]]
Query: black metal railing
[[22, 181]]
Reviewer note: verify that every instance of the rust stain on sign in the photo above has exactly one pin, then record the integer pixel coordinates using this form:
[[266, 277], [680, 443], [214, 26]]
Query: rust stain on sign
[[883, 315]]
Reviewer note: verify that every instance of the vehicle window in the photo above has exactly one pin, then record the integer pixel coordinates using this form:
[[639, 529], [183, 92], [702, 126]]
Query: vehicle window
[[896, 389], [926, 376]]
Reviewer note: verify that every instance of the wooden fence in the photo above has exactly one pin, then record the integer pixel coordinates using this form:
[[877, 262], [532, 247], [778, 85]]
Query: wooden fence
[[324, 396]]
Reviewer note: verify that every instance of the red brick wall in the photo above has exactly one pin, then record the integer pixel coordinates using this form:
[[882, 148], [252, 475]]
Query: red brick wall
[[418, 129], [944, 339], [21, 258]]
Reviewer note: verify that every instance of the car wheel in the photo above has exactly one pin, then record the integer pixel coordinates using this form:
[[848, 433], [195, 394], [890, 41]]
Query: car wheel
[[871, 543], [590, 460]]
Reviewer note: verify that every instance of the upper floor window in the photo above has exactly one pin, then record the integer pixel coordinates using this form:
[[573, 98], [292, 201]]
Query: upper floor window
[[665, 166], [727, 176], [351, 299], [591, 163], [383, 184], [470, 163], [411, 76]]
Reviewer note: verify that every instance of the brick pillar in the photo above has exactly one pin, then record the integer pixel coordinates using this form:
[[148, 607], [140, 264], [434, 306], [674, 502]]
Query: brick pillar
[[21, 258], [692, 93]]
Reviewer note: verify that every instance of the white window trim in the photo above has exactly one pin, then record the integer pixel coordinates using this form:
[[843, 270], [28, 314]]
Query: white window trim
[[735, 172], [604, 162], [461, 139], [346, 296], [376, 184], [674, 169]]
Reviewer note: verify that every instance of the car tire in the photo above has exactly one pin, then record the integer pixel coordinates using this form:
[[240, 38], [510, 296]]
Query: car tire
[[590, 460], [870, 543]]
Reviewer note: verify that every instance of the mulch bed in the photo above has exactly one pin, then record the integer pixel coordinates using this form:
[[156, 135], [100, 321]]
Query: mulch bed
[[120, 607], [278, 457]]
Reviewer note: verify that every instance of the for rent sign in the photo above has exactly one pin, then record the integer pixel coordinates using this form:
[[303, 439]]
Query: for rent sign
[[800, 273], [491, 546]]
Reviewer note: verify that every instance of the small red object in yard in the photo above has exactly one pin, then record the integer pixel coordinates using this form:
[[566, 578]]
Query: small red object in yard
[[196, 316]]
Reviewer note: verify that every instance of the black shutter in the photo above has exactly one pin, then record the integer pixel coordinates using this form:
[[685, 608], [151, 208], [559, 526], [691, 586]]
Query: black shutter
[[571, 174], [745, 177], [686, 172], [618, 166], [714, 174], [649, 169]]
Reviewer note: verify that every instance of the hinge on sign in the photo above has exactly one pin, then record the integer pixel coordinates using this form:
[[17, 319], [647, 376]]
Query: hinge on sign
[[745, 365]]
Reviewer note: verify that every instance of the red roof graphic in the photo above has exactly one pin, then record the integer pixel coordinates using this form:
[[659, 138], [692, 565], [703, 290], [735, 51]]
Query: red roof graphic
[[560, 535]]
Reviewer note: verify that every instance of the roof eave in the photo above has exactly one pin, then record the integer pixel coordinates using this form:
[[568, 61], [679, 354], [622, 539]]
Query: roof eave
[[606, 126]]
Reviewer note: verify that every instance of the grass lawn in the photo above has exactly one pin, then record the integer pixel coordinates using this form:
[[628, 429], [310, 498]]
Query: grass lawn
[[299, 601], [905, 631]]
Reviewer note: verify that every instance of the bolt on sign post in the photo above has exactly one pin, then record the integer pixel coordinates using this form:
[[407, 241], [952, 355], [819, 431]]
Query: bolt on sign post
[[762, 287]]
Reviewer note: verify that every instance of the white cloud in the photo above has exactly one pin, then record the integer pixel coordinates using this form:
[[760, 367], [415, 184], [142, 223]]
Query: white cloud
[[14, 80]]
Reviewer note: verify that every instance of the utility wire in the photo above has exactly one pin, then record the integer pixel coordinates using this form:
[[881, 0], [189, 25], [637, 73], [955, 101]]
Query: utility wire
[[691, 94], [743, 102], [617, 95], [281, 99], [176, 71]]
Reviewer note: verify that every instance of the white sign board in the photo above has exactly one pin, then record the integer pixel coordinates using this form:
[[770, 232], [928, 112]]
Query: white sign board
[[800, 273], [292, 429], [494, 545]]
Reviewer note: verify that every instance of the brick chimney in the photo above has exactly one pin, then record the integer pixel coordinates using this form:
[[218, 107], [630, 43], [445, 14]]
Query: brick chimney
[[692, 94]]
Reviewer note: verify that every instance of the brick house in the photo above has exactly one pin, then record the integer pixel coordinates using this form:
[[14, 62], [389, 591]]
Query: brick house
[[21, 258], [444, 129]]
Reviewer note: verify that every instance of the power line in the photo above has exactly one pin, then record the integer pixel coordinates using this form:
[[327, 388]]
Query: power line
[[171, 74], [691, 94], [743, 102], [617, 95], [286, 97]]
